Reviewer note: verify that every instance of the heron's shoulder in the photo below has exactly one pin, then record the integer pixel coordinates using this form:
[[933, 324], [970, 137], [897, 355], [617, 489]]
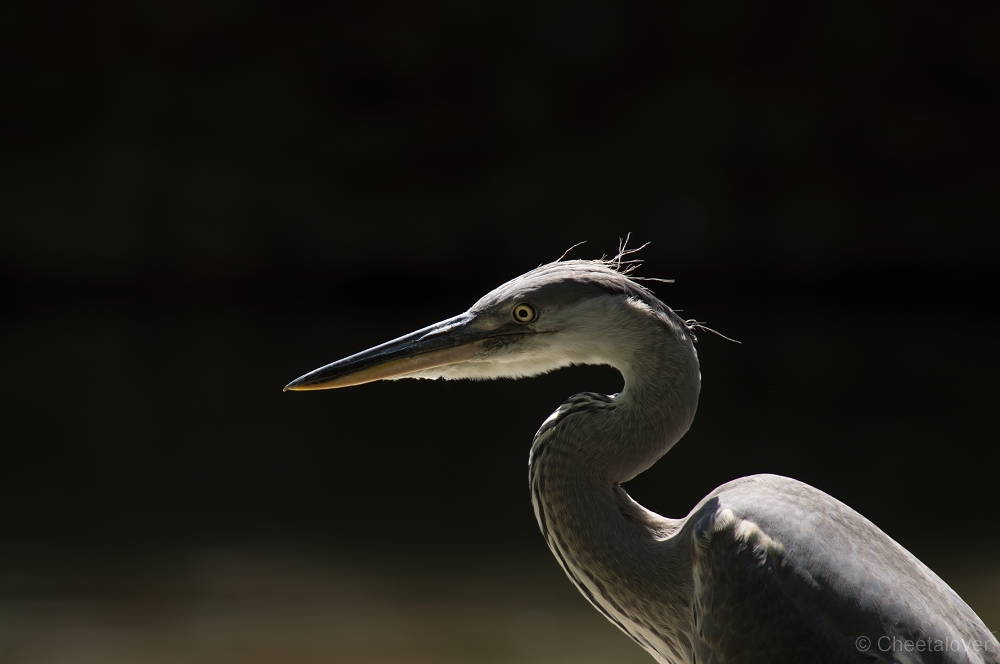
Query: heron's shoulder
[[756, 497], [723, 516], [776, 525], [781, 515], [782, 539]]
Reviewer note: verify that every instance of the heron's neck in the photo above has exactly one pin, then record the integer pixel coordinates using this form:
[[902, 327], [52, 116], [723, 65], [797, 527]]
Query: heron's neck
[[601, 537], [613, 439]]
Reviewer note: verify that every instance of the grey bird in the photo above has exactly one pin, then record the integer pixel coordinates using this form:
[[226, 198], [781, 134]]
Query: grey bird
[[765, 569]]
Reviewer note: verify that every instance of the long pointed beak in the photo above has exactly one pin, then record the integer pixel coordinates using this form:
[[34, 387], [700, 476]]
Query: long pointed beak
[[448, 342]]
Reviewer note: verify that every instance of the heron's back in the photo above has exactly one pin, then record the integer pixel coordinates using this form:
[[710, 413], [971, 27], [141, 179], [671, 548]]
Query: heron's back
[[778, 564]]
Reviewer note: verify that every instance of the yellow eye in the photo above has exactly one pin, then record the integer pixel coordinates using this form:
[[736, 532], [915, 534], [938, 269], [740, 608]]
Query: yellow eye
[[524, 313]]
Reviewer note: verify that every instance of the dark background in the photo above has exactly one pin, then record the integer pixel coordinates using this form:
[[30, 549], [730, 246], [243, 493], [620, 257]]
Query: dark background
[[201, 203]]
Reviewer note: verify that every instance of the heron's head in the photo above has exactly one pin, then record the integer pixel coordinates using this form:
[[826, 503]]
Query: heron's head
[[562, 313]]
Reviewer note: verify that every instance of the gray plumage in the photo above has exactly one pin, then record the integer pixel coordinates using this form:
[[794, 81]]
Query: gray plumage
[[765, 569]]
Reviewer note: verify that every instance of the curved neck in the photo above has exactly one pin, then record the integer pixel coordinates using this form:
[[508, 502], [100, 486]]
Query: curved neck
[[604, 540], [613, 439]]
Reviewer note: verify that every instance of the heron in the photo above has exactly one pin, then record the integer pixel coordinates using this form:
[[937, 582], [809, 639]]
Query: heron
[[765, 569]]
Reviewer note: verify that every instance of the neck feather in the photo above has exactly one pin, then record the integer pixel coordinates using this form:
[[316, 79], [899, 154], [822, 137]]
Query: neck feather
[[614, 438], [607, 543]]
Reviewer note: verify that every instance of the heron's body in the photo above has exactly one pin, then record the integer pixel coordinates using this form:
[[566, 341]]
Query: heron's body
[[765, 569]]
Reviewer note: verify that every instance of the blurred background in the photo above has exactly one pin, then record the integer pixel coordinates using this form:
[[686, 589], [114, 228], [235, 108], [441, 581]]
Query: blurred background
[[201, 202]]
